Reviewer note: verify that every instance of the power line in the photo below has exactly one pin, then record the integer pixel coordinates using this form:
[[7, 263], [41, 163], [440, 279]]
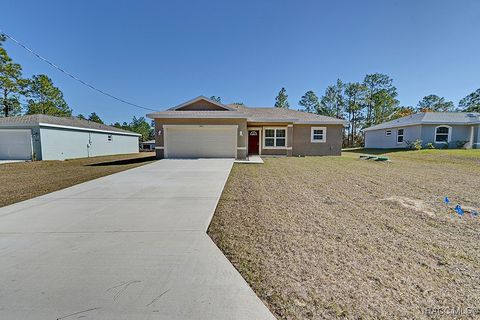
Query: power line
[[72, 76]]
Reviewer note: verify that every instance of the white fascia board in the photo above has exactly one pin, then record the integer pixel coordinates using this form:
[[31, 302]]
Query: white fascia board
[[87, 129]]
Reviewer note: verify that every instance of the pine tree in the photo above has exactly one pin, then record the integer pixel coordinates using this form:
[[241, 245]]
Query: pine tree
[[434, 103], [95, 118], [356, 97], [45, 98], [471, 103], [332, 102], [217, 99], [11, 84], [309, 102], [380, 98], [281, 99]]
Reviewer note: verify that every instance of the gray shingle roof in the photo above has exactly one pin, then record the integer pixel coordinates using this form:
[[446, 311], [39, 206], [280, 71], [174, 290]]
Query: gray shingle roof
[[430, 118], [35, 119], [269, 114], [265, 114]]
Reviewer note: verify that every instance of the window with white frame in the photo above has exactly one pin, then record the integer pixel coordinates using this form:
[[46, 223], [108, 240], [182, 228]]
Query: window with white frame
[[442, 134], [388, 133], [109, 138], [275, 138], [400, 133], [318, 134]]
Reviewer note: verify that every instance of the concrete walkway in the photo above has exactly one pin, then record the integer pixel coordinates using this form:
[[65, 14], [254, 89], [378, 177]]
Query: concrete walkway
[[252, 159], [127, 246]]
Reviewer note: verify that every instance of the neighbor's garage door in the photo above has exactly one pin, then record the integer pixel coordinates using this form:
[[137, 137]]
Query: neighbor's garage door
[[200, 141], [15, 144]]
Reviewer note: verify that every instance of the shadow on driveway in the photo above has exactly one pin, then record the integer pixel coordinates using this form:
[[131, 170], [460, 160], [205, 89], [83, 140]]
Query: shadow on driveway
[[121, 162]]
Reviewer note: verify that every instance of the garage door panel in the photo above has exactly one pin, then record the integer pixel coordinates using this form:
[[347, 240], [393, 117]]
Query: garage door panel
[[201, 142], [15, 144]]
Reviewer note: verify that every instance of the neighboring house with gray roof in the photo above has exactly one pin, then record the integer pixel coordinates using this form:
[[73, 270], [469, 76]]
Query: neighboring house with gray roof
[[452, 129], [43, 137], [202, 127]]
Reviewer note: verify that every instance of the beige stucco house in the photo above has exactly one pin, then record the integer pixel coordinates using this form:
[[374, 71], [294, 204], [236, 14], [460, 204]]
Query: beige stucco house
[[203, 128]]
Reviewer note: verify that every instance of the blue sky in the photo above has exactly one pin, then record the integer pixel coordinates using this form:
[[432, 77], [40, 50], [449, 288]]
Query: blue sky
[[161, 53]]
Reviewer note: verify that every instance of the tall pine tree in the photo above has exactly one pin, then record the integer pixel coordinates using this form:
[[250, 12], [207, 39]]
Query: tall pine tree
[[309, 102], [333, 101], [281, 99], [380, 98], [471, 103], [355, 103], [11, 84], [434, 103], [45, 98]]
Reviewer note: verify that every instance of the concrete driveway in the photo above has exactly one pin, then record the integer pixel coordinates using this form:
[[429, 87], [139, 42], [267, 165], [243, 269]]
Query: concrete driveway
[[127, 246]]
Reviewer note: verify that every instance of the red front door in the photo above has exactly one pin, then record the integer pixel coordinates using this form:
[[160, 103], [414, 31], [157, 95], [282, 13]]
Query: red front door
[[253, 141]]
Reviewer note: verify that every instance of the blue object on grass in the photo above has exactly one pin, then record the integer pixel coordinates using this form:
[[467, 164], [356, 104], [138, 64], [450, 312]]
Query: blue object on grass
[[447, 201], [459, 210]]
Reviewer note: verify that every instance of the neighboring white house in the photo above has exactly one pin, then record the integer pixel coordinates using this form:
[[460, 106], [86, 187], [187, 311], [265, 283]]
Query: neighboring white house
[[452, 129], [43, 137]]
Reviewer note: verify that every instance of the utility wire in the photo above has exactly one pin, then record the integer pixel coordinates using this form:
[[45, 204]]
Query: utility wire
[[71, 75]]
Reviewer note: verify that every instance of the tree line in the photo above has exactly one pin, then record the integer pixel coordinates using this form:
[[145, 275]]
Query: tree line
[[38, 95], [370, 102]]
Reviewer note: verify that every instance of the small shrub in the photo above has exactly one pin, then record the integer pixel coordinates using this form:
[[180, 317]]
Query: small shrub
[[430, 146], [414, 145]]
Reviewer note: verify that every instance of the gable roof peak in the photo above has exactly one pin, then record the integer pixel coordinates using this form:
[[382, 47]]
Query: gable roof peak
[[199, 98]]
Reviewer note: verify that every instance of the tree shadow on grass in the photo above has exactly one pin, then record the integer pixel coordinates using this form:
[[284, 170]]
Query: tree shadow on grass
[[372, 151]]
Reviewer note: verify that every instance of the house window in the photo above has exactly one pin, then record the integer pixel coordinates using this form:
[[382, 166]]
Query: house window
[[388, 133], [109, 138], [400, 135], [275, 138], [442, 134], [318, 134]]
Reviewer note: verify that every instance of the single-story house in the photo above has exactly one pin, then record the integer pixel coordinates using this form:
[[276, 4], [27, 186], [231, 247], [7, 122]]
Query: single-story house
[[43, 137], [203, 128], [148, 145], [442, 129]]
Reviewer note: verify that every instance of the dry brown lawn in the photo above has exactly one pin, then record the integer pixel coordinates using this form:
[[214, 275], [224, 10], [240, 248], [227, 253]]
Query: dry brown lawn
[[25, 180], [339, 237]]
